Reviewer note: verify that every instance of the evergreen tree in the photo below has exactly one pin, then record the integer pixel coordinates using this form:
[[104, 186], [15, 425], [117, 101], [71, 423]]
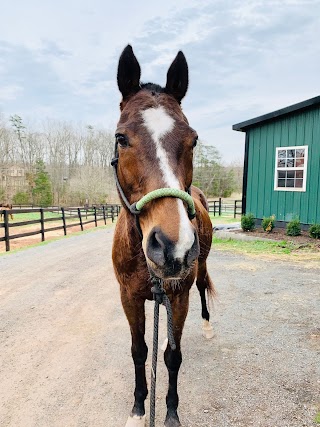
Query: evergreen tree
[[19, 128], [42, 190]]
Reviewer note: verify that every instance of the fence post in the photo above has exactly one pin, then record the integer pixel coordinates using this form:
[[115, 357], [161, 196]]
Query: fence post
[[42, 224], [95, 215], [80, 218], [64, 221], [220, 205], [6, 230], [104, 215], [112, 213]]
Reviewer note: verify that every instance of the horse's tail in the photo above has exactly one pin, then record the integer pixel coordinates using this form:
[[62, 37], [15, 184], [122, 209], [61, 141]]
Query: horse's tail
[[211, 290], [205, 283]]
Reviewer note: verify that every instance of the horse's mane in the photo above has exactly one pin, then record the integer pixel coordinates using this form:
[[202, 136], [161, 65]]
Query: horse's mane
[[152, 87]]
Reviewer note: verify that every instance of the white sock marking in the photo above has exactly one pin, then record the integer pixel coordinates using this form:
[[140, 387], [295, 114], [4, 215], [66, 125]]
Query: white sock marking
[[164, 344], [159, 123], [207, 330], [136, 421]]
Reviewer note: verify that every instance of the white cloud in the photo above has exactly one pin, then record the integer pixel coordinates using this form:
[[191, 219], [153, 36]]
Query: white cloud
[[10, 92], [246, 57]]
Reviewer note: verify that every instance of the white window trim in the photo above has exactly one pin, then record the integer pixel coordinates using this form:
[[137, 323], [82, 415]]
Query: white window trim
[[304, 168]]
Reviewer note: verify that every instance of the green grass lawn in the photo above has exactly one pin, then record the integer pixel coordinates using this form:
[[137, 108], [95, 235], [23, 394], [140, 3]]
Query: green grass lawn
[[223, 219], [264, 248], [253, 247], [32, 216]]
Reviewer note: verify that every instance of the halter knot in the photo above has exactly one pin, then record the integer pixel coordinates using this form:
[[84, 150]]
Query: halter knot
[[157, 290], [133, 209]]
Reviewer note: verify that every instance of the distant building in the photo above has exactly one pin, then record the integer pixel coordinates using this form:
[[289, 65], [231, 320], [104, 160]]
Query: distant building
[[12, 179], [282, 163]]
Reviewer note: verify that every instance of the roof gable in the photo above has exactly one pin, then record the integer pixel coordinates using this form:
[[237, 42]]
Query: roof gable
[[309, 103]]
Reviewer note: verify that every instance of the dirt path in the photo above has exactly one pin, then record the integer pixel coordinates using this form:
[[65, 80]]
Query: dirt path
[[65, 347], [23, 242]]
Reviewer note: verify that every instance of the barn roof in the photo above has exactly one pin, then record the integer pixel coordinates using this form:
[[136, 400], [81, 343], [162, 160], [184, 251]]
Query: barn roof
[[309, 103]]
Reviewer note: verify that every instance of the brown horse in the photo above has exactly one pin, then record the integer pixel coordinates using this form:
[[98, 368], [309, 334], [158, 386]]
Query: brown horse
[[154, 149], [5, 207]]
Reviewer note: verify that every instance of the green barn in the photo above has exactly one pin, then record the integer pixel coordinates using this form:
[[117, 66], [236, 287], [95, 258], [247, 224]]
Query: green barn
[[282, 163]]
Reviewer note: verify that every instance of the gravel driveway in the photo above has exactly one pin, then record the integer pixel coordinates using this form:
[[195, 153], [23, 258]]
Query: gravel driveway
[[65, 347]]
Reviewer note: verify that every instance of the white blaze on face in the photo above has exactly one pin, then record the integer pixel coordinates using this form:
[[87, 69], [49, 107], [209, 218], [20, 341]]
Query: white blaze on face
[[159, 124]]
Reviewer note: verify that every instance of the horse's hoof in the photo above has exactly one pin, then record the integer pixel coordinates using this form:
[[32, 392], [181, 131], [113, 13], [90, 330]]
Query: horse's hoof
[[136, 421], [207, 330], [172, 421]]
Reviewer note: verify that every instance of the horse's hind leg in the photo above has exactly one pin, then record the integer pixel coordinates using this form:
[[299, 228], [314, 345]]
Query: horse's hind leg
[[135, 313], [204, 284]]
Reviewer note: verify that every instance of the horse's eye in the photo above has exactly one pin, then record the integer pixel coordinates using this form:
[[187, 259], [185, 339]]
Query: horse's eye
[[195, 142], [122, 140]]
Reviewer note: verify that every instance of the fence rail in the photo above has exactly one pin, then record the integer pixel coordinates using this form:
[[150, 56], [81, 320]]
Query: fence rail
[[84, 215], [230, 207], [81, 215]]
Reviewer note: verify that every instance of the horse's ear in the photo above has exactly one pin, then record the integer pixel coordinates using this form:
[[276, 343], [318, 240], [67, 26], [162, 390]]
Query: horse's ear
[[128, 73], [177, 77]]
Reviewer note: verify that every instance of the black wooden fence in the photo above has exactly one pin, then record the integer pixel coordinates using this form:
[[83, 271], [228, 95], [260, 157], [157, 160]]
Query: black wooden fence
[[229, 207], [80, 216]]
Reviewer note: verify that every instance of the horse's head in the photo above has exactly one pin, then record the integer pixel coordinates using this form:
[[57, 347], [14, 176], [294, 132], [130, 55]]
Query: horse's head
[[155, 150]]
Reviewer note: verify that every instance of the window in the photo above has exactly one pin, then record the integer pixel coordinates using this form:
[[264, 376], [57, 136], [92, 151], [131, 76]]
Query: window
[[291, 168]]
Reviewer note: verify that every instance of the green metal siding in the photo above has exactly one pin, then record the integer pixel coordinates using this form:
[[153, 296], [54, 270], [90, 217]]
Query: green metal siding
[[262, 200]]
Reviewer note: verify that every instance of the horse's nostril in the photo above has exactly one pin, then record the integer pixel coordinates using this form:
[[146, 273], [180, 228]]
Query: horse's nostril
[[156, 247], [163, 253]]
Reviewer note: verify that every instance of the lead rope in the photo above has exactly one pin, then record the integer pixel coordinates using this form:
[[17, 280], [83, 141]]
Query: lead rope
[[159, 297]]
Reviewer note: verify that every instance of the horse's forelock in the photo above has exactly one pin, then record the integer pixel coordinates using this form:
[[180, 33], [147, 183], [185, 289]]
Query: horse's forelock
[[152, 87]]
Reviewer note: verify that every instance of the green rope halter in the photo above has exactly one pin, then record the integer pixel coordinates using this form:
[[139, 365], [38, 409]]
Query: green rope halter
[[167, 192]]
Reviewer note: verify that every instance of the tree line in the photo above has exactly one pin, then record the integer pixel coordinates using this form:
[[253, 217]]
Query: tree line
[[74, 161], [67, 164]]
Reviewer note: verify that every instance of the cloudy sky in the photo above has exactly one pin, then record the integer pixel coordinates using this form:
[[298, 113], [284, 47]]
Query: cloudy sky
[[58, 58]]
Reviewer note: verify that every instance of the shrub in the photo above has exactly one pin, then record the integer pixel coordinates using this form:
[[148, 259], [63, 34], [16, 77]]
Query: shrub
[[268, 223], [293, 228], [21, 198], [248, 222], [314, 231]]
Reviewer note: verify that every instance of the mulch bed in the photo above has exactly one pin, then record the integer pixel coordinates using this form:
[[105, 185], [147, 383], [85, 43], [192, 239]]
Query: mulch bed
[[280, 234]]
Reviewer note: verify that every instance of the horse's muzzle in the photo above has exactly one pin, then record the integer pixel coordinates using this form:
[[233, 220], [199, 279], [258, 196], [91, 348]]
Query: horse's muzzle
[[161, 251]]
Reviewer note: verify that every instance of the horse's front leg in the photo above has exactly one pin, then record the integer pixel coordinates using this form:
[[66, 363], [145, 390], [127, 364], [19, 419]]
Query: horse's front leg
[[173, 358], [135, 312]]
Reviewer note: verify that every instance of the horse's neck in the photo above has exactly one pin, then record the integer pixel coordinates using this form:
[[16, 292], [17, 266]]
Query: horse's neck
[[128, 230]]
